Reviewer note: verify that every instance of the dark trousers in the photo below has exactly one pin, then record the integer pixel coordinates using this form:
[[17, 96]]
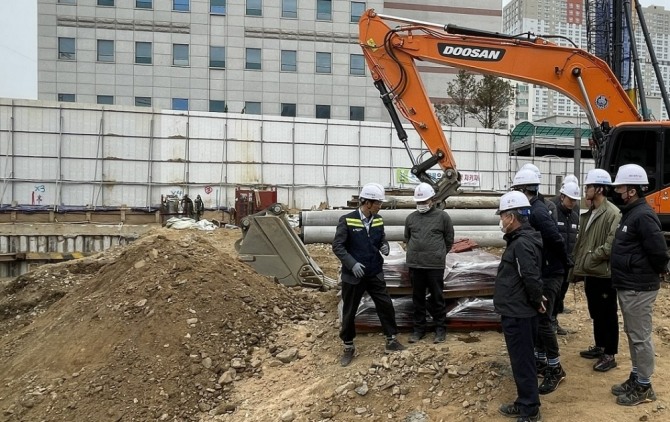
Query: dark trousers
[[559, 306], [519, 338], [351, 299], [430, 280], [546, 338], [601, 299]]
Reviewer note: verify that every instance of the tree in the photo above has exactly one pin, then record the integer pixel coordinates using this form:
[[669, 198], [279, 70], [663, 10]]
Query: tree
[[491, 97], [460, 91]]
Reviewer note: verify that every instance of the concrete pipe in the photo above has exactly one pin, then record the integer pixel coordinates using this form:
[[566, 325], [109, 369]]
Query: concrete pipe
[[456, 201], [325, 234], [474, 217]]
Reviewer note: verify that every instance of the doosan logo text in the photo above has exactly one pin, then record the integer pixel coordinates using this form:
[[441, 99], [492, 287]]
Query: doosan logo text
[[471, 53]]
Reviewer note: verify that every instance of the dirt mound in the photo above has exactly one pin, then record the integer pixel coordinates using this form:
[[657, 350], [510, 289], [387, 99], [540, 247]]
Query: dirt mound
[[157, 330]]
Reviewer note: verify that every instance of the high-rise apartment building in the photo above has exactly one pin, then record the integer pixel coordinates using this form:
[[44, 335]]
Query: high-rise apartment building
[[278, 57]]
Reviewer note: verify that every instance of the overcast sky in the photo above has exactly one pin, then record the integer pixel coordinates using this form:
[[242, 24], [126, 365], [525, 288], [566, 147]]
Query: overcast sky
[[18, 46]]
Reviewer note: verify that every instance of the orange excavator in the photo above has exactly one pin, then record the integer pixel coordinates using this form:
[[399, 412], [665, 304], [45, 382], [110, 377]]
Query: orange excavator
[[620, 135]]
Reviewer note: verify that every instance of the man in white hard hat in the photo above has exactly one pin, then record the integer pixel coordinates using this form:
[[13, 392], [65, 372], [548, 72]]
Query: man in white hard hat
[[554, 264], [548, 201], [429, 235], [567, 221], [556, 199], [639, 256], [359, 243], [591, 255], [518, 299]]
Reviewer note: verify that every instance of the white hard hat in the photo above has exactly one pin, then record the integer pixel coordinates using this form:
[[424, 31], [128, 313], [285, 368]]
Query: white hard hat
[[513, 200], [373, 191], [571, 190], [423, 192], [571, 178], [631, 174], [525, 177], [536, 170], [598, 177]]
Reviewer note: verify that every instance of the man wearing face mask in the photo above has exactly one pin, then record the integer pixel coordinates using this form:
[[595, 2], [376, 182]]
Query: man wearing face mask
[[359, 243], [639, 256], [518, 299], [429, 235]]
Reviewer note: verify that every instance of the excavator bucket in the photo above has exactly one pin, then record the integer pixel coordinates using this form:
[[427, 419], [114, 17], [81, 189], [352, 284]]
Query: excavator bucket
[[270, 245]]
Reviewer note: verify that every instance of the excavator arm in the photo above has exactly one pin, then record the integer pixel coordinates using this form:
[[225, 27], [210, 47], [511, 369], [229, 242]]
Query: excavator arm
[[391, 55]]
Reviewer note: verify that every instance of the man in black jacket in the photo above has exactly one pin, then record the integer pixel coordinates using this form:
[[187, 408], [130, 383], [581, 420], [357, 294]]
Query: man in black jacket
[[554, 264], [359, 240], [518, 299], [639, 256]]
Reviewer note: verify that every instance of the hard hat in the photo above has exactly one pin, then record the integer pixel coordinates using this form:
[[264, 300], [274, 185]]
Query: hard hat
[[372, 191], [525, 177], [571, 190], [423, 192], [536, 170], [631, 174], [571, 178], [513, 200], [598, 177]]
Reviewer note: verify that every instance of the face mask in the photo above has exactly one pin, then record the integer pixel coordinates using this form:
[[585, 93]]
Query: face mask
[[503, 228], [424, 208]]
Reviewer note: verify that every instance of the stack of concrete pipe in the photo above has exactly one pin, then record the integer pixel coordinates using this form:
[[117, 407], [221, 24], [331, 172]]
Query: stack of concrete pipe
[[479, 225]]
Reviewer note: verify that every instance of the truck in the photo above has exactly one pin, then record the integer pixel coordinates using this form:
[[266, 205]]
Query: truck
[[619, 133]]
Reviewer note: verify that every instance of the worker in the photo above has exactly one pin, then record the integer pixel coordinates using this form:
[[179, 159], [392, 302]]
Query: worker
[[187, 206], [554, 264], [639, 256], [517, 297], [591, 255], [556, 199], [359, 243], [550, 204], [429, 235], [567, 221], [199, 208]]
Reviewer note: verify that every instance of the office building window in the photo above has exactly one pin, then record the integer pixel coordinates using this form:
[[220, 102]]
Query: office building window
[[66, 49], [218, 106], [251, 107], [322, 111], [144, 4], [217, 7], [105, 2], [288, 61], [143, 52], [289, 8], [106, 51], [105, 99], [323, 64], [357, 9], [357, 113], [181, 5], [66, 98], [217, 57], [143, 101], [180, 54], [253, 60], [180, 104], [324, 10], [356, 64], [288, 109], [255, 7]]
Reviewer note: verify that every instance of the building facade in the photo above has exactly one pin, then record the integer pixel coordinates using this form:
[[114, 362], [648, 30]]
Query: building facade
[[296, 58]]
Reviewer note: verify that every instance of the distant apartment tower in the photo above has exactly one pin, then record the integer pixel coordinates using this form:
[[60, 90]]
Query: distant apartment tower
[[278, 57]]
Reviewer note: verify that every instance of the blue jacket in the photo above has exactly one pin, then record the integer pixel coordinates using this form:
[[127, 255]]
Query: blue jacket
[[353, 243]]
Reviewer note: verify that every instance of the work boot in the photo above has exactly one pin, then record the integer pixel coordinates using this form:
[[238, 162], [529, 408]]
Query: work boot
[[510, 410], [605, 363], [440, 335], [347, 355], [637, 395], [393, 345], [561, 331], [593, 352], [416, 336], [553, 376], [626, 386], [537, 417]]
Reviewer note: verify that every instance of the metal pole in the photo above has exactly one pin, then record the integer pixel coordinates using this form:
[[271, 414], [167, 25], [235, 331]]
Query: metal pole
[[636, 63], [577, 153]]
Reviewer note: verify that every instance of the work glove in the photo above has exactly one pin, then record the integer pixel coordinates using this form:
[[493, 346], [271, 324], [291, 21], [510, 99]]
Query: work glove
[[358, 270], [384, 249]]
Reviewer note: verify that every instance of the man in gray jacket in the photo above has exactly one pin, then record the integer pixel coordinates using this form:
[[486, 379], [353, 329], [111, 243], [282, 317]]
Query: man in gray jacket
[[429, 235]]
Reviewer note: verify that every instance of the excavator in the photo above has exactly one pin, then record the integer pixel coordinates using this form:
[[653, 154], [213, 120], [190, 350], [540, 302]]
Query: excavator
[[619, 133]]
